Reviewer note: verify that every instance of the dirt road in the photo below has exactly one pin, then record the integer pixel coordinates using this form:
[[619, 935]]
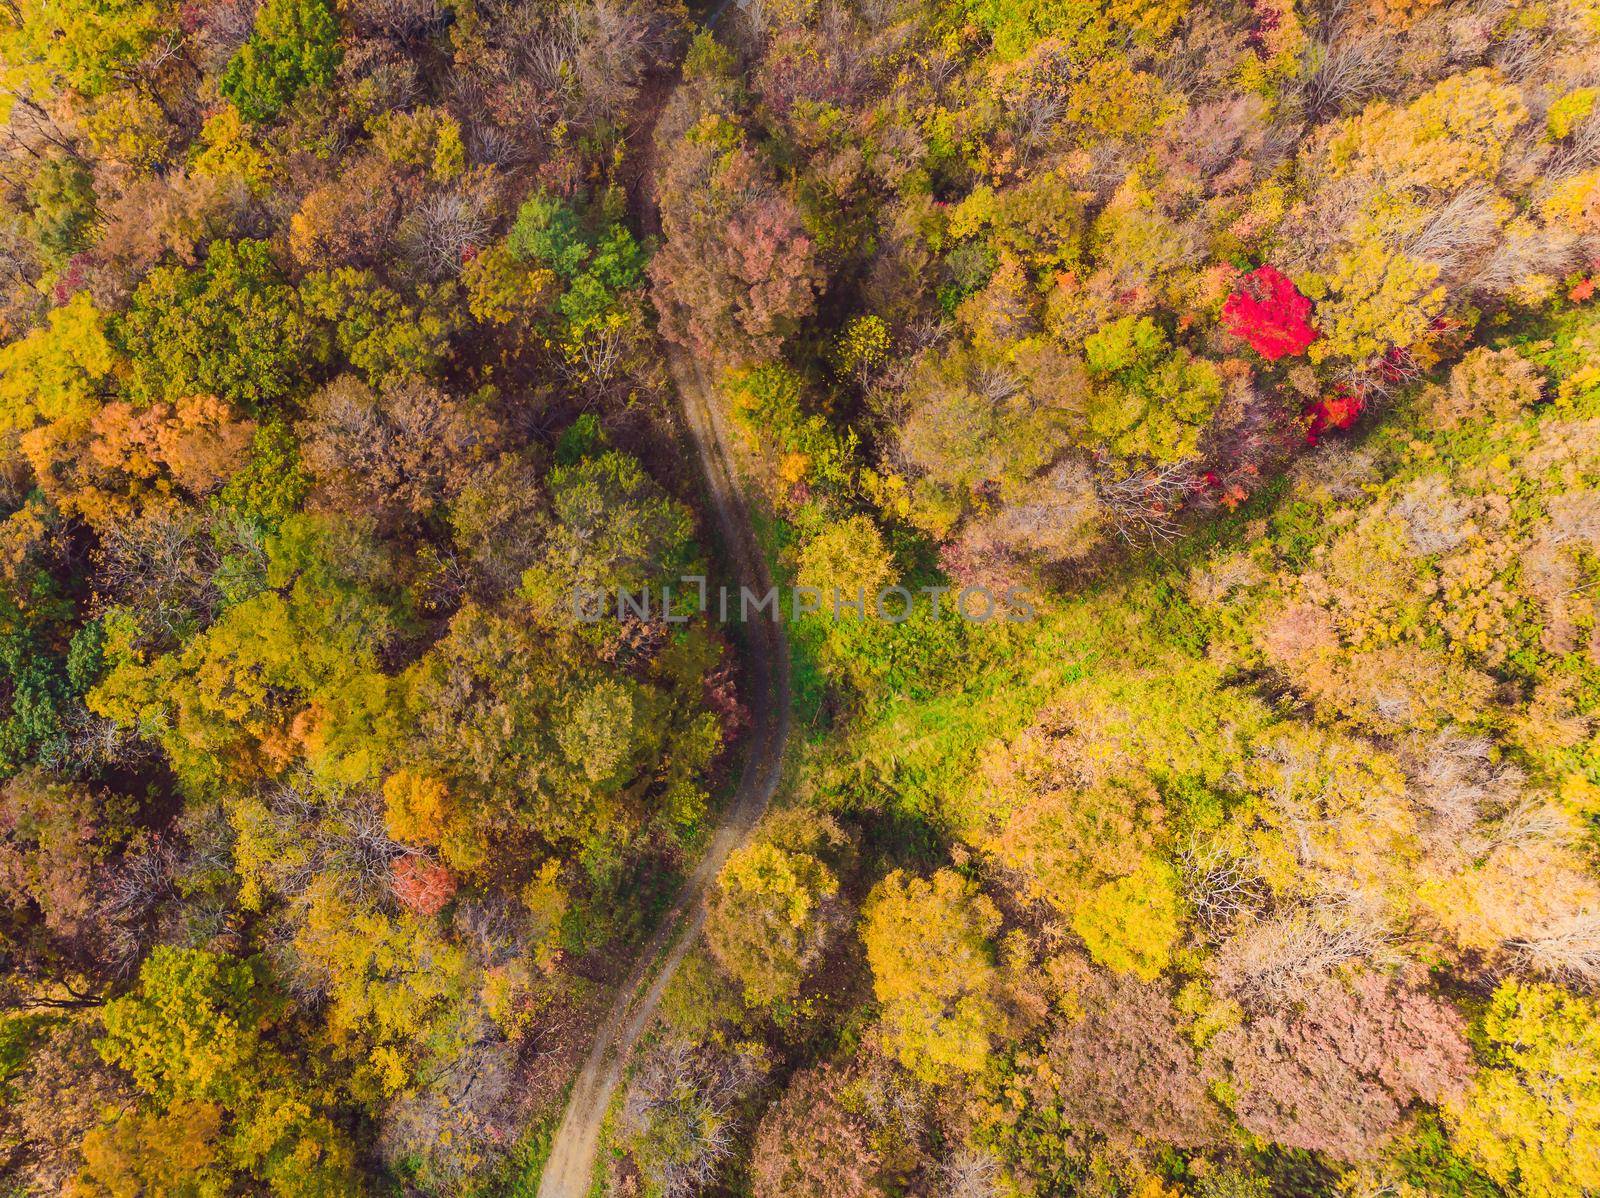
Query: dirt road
[[570, 1169]]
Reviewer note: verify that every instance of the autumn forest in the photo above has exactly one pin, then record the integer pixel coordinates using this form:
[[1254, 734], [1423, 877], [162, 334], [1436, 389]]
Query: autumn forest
[[1255, 342]]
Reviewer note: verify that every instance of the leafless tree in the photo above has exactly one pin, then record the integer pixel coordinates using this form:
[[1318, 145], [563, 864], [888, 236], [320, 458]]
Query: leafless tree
[[1521, 53], [1526, 250], [163, 565], [445, 229], [463, 1116], [91, 743], [969, 1174], [678, 1114], [225, 26], [1458, 782], [1274, 959], [547, 49], [19, 263], [1035, 115], [1213, 137], [583, 61], [1380, 378], [1436, 520], [1296, 797], [494, 928], [1214, 582], [1337, 71], [170, 48], [1579, 150], [1568, 950], [400, 20], [1535, 820], [30, 128], [755, 22], [489, 142], [892, 1098], [1143, 506], [129, 902], [598, 361], [1221, 888], [941, 68], [338, 833], [1458, 231], [617, 43]]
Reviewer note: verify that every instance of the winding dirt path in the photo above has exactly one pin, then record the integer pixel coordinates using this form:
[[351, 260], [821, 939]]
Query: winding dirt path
[[570, 1169]]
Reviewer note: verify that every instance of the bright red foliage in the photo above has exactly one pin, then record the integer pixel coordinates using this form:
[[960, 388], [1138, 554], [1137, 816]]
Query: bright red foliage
[[1269, 313], [421, 885], [1337, 411]]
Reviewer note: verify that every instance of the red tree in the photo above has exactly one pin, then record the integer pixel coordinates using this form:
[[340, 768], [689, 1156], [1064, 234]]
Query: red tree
[[1269, 313], [421, 885], [1335, 1070], [1337, 411], [738, 273]]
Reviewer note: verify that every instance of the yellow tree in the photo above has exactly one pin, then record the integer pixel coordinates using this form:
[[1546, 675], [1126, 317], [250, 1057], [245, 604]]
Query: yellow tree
[[766, 922], [933, 970], [1532, 1119]]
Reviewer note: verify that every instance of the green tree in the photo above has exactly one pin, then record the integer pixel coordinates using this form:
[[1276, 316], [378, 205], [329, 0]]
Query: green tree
[[272, 484], [33, 617], [64, 209], [847, 556], [502, 707], [549, 231], [615, 528], [373, 327], [295, 45], [596, 269], [976, 426], [233, 328]]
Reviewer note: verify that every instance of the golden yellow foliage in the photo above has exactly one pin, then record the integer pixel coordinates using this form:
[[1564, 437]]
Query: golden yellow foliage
[[1378, 299], [1453, 134], [416, 807], [227, 149], [54, 373], [933, 970]]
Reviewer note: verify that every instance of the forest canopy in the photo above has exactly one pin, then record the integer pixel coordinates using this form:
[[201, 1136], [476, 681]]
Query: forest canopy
[[1257, 344]]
